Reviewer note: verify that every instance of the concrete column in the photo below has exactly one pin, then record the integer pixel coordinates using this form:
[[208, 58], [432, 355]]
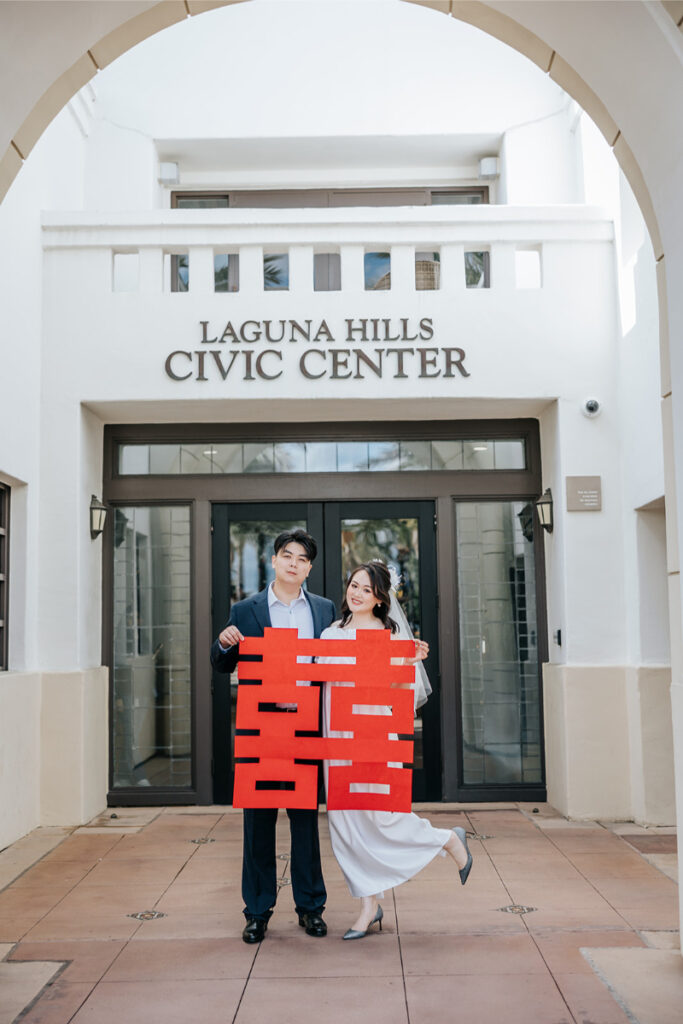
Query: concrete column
[[151, 270], [402, 269], [352, 272], [251, 269], [502, 265], [452, 268], [301, 269], [201, 270]]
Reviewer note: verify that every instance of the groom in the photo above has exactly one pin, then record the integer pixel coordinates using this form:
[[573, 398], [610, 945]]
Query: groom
[[284, 604]]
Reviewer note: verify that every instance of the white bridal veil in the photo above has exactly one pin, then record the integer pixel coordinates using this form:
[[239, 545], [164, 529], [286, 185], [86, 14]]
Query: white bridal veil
[[423, 687]]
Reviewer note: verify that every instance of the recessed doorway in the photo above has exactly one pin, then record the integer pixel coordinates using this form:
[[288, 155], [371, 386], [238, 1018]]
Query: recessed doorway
[[450, 504], [347, 533]]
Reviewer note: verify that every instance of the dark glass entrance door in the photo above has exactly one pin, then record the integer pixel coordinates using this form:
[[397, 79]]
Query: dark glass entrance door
[[401, 533]]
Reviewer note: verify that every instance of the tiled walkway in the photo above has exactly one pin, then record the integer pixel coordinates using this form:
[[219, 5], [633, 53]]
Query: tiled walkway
[[446, 952]]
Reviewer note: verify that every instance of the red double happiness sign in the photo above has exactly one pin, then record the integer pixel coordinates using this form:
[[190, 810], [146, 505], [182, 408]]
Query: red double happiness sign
[[372, 708]]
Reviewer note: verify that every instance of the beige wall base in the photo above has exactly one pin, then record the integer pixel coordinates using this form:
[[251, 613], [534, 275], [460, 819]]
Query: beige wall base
[[74, 744], [53, 749], [651, 745], [19, 755], [677, 717], [609, 742]]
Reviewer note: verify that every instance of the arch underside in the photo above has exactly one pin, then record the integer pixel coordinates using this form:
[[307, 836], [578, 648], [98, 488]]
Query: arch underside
[[154, 18]]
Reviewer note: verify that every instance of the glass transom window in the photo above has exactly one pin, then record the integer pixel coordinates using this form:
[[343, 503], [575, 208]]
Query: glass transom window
[[220, 457]]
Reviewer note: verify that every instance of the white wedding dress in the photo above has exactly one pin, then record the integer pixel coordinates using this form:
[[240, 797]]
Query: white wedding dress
[[376, 850]]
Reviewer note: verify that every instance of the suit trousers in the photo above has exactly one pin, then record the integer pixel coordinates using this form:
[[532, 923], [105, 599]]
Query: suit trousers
[[259, 870]]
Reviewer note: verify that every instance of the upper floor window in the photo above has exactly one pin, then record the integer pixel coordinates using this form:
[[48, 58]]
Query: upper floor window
[[305, 198], [326, 272], [4, 571]]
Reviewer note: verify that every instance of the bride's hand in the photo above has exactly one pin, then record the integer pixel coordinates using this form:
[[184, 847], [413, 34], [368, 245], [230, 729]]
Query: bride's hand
[[421, 652]]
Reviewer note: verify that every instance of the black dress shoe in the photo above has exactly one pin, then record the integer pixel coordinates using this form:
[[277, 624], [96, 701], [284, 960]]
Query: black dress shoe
[[314, 924], [255, 930]]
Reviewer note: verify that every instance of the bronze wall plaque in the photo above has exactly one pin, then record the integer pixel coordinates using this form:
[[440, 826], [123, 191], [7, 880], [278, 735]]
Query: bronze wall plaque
[[584, 494]]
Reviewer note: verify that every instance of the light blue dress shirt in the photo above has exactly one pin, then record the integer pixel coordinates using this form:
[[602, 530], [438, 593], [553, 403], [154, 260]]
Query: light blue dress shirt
[[297, 615]]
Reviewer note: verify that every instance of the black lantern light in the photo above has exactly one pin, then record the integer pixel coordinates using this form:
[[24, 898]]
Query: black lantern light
[[544, 510], [98, 517]]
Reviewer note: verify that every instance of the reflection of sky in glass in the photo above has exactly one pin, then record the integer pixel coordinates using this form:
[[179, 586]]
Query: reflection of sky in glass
[[352, 456], [133, 459], [290, 457], [383, 456], [376, 265], [320, 457]]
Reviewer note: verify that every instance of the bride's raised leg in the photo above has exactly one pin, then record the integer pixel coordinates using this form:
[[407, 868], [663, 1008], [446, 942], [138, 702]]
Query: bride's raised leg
[[456, 849]]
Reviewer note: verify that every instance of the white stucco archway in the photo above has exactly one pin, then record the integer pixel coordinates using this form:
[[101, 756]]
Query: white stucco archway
[[622, 62]]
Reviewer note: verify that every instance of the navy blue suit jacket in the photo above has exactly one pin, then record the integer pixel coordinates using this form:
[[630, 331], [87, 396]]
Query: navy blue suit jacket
[[251, 617]]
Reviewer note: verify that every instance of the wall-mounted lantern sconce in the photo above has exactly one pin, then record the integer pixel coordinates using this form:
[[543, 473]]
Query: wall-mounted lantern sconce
[[544, 510], [98, 517]]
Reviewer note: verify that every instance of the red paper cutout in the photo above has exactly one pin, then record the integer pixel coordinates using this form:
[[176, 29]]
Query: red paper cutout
[[374, 746]]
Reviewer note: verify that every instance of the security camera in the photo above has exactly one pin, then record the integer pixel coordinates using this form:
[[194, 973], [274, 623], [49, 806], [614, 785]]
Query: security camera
[[591, 407]]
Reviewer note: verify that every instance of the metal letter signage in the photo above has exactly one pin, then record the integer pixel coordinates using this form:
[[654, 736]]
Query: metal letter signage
[[367, 712], [245, 351]]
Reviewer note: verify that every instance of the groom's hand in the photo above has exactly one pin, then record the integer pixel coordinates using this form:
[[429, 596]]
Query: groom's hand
[[229, 637]]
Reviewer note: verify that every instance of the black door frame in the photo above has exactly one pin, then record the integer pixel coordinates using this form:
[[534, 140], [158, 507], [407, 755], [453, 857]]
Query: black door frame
[[323, 521], [200, 492], [221, 600], [429, 786]]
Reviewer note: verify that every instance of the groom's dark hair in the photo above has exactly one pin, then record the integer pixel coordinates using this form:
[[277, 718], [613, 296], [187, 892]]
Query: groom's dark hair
[[297, 537]]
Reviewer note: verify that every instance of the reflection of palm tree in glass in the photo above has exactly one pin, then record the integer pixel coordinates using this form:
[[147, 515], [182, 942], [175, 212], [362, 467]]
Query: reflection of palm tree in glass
[[475, 269], [273, 272], [258, 535], [394, 541]]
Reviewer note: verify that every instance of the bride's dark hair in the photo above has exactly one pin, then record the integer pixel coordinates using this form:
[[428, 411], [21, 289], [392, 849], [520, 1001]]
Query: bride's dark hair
[[381, 586]]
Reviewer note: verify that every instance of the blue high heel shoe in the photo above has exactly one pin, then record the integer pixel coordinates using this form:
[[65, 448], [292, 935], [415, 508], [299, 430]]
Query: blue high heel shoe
[[462, 836], [377, 919]]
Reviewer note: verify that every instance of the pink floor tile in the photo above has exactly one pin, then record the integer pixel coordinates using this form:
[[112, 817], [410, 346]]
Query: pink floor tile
[[211, 959], [488, 999], [324, 1001], [173, 1002], [590, 1000]]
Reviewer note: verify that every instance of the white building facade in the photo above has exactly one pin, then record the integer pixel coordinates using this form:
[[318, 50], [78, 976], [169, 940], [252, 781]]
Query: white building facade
[[383, 296]]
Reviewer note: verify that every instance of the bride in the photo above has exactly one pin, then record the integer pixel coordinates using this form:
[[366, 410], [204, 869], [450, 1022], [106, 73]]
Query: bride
[[377, 850]]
